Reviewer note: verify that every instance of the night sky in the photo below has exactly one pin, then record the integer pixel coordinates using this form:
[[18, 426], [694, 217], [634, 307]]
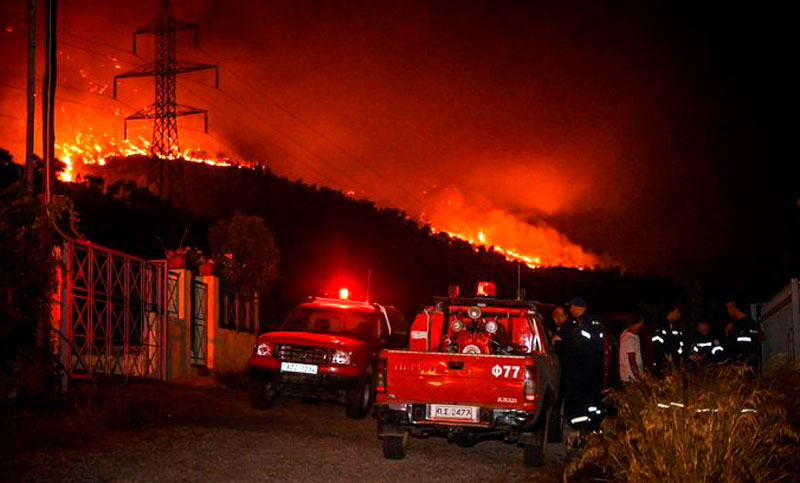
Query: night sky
[[654, 135]]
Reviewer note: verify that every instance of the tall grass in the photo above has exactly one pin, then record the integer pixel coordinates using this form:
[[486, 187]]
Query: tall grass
[[711, 424]]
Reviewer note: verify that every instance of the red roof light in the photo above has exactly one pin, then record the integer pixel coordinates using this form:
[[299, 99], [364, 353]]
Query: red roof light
[[486, 289], [344, 294]]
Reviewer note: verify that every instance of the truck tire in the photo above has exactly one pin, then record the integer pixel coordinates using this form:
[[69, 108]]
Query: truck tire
[[395, 447], [359, 401], [555, 431], [262, 394], [533, 452], [534, 455]]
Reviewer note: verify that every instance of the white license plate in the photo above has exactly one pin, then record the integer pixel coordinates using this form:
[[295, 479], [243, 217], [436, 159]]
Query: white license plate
[[448, 412], [301, 368]]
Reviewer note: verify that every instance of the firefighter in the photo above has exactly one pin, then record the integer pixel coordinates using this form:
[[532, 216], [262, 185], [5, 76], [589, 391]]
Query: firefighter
[[583, 367], [668, 340], [558, 329], [743, 336], [560, 334], [706, 346]]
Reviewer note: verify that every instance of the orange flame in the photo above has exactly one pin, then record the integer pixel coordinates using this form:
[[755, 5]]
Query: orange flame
[[88, 149], [535, 245]]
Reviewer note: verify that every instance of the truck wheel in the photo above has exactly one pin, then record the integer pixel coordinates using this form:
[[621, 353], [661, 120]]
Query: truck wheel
[[395, 447], [555, 431], [359, 401], [533, 454], [262, 394]]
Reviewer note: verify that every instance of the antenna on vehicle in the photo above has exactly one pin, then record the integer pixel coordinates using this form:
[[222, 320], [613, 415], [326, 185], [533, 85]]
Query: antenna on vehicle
[[520, 295], [369, 280]]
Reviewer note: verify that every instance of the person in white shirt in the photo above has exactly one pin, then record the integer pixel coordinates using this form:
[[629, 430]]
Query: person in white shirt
[[630, 353]]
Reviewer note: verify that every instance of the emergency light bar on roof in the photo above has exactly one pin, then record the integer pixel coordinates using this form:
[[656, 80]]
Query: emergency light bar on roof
[[486, 289], [339, 302]]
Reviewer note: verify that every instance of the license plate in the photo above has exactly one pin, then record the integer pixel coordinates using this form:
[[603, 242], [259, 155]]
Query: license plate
[[447, 412], [301, 368]]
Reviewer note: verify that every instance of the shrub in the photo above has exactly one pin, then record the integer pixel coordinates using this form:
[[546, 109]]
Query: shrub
[[717, 423]]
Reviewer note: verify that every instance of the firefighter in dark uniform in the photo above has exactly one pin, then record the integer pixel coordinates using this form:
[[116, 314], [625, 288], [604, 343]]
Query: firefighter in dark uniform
[[743, 336], [706, 346], [668, 341], [584, 366], [559, 330]]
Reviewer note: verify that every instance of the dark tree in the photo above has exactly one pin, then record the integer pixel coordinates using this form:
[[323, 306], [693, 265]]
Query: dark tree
[[246, 255]]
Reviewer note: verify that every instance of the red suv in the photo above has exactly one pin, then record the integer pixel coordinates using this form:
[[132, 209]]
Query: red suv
[[327, 348]]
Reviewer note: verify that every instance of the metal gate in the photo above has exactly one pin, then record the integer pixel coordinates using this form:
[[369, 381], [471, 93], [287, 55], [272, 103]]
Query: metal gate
[[114, 320], [199, 322]]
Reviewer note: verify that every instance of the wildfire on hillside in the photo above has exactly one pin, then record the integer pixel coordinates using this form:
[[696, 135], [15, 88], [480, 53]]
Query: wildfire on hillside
[[535, 245], [88, 149]]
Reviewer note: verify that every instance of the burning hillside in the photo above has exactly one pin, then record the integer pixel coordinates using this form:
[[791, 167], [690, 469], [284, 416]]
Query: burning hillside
[[302, 133], [536, 245], [89, 150]]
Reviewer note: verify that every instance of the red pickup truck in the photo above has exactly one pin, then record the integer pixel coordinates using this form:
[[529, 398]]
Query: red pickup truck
[[327, 348], [476, 369]]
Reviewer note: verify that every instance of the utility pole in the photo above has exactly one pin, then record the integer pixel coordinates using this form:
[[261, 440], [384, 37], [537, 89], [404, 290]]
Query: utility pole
[[48, 99], [165, 110], [31, 94]]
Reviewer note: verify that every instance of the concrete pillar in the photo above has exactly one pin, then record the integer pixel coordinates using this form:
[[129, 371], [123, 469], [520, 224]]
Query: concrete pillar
[[212, 315], [179, 338]]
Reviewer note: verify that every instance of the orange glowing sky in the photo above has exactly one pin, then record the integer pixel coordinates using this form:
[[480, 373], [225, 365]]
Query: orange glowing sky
[[600, 129]]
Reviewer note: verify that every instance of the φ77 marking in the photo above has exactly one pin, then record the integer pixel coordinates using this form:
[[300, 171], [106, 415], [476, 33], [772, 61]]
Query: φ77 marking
[[505, 371]]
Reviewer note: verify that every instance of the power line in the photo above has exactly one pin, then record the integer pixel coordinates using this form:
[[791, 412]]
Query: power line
[[311, 167], [382, 176], [343, 171], [319, 133], [260, 135], [299, 144]]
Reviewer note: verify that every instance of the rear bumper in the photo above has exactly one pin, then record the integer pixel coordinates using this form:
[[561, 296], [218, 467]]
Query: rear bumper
[[396, 418], [314, 385]]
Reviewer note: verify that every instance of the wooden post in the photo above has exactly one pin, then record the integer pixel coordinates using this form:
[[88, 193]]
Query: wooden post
[[48, 99], [31, 94]]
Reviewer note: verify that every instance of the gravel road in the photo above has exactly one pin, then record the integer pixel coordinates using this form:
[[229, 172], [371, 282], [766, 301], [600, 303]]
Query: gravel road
[[211, 434]]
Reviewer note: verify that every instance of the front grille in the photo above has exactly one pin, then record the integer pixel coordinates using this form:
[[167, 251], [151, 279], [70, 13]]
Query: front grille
[[305, 355]]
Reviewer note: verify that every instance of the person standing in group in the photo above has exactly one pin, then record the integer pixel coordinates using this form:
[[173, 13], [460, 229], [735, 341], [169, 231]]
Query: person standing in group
[[583, 365], [743, 335], [668, 340], [706, 346], [560, 335], [631, 368], [559, 329]]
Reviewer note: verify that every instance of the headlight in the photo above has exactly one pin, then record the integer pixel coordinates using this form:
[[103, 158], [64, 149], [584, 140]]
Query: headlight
[[491, 327], [342, 357], [456, 325], [264, 349]]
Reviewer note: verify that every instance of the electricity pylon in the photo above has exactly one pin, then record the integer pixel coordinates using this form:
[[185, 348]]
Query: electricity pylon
[[165, 110]]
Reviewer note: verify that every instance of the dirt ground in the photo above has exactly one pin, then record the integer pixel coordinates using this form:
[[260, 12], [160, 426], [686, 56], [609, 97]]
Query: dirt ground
[[159, 432]]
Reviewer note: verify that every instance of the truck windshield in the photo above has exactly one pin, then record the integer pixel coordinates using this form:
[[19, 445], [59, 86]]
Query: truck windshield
[[332, 321]]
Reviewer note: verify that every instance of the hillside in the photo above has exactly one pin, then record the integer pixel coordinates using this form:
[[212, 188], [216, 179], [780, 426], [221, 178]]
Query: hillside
[[325, 238]]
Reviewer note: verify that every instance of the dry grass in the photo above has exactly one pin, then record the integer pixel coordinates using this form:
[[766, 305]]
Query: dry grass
[[711, 424]]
